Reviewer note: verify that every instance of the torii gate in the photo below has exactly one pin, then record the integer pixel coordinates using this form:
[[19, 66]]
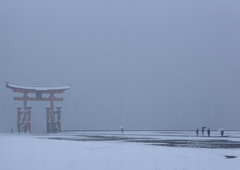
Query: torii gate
[[53, 118]]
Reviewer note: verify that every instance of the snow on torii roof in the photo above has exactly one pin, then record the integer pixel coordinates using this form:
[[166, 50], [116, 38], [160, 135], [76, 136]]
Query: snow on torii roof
[[20, 88]]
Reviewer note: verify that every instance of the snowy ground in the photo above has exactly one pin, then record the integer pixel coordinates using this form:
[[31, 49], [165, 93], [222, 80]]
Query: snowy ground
[[172, 150]]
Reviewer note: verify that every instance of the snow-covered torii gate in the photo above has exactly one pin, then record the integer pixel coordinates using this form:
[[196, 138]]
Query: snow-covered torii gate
[[24, 117]]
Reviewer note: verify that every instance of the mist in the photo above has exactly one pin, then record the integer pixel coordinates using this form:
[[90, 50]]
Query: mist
[[142, 65]]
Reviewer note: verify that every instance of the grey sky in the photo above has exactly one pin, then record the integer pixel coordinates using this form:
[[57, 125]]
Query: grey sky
[[137, 64]]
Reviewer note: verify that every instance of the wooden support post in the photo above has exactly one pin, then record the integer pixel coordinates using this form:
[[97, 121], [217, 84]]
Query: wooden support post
[[59, 119], [19, 119], [28, 123], [24, 120], [48, 119]]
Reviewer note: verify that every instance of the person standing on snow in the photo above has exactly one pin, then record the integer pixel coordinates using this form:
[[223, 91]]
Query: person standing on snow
[[197, 132], [222, 132], [208, 132], [202, 131], [121, 129]]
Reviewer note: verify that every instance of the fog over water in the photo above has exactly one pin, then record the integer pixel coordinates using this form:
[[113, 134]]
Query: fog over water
[[142, 65]]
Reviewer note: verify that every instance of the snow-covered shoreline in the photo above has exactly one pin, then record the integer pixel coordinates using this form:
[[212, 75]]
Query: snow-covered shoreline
[[37, 151]]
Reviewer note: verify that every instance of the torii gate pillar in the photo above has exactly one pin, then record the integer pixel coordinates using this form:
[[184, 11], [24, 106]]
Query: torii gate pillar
[[53, 120]]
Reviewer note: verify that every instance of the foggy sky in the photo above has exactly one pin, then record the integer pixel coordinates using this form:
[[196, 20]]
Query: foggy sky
[[143, 65]]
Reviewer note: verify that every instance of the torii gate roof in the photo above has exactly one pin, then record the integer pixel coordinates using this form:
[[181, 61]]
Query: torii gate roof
[[34, 89]]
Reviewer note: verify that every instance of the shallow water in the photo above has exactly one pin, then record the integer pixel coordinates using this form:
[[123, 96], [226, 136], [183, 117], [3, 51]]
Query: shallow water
[[195, 143]]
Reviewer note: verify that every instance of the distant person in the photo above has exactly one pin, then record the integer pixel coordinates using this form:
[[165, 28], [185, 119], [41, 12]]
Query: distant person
[[202, 131], [197, 132], [222, 132], [122, 129], [208, 132]]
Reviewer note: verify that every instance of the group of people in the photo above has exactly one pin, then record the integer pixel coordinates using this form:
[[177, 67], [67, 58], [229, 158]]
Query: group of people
[[203, 128], [208, 131]]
